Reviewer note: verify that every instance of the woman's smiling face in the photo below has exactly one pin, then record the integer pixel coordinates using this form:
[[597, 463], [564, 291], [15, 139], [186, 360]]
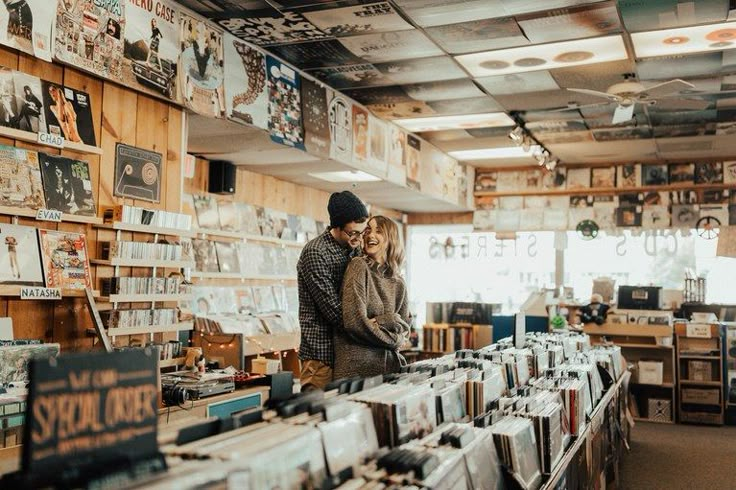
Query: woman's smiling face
[[374, 242]]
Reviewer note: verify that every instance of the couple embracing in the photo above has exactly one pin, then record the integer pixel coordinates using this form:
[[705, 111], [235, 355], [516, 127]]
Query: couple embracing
[[353, 309]]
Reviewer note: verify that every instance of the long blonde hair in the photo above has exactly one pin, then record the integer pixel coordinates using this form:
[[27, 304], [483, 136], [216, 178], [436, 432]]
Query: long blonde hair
[[394, 244]]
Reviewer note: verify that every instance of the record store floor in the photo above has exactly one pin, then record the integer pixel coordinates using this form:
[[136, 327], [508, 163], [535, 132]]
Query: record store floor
[[665, 456]]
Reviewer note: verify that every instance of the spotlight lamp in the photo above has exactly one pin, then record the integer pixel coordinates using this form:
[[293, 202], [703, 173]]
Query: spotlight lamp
[[542, 157], [517, 135], [552, 164], [526, 144]]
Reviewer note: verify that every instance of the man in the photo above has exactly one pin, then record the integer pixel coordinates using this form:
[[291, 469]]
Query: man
[[320, 271]]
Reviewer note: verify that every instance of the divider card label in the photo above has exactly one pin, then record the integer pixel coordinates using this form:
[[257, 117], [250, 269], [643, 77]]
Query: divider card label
[[40, 293], [90, 410]]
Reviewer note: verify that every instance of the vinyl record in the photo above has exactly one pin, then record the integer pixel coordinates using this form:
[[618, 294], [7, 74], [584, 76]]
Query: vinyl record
[[573, 56], [676, 40], [721, 35], [494, 65], [527, 62]]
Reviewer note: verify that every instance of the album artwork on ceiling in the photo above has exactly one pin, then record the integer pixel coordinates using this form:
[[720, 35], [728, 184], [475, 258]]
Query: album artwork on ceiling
[[351, 76], [67, 185], [316, 119], [267, 26], [413, 170], [284, 107], [137, 173], [315, 54], [201, 73], [360, 133], [151, 47], [26, 26], [68, 113], [421, 70], [246, 98], [20, 179], [572, 23], [89, 35], [20, 257], [479, 35], [65, 259], [340, 117], [391, 46], [357, 19]]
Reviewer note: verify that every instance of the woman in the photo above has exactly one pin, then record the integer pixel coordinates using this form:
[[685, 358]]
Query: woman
[[374, 306]]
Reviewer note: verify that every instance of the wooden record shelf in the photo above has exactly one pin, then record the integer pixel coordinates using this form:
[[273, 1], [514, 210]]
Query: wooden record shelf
[[30, 137], [153, 230], [14, 291], [146, 298], [147, 263], [148, 329], [604, 190], [31, 213], [246, 237]]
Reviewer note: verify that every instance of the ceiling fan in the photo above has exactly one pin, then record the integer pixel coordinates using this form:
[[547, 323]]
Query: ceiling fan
[[628, 93]]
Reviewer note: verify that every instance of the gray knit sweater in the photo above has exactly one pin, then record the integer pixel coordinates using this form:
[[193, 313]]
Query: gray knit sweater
[[375, 322]]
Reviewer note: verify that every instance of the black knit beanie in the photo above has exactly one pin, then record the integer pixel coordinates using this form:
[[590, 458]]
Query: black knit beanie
[[345, 207]]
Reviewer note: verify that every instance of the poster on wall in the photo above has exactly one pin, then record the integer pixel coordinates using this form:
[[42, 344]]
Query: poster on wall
[[201, 76], [413, 151], [26, 26], [65, 259], [89, 35], [151, 47], [137, 173], [316, 119], [67, 185], [68, 113], [360, 134], [396, 151], [340, 115], [20, 179], [246, 99], [377, 145], [20, 256], [284, 107]]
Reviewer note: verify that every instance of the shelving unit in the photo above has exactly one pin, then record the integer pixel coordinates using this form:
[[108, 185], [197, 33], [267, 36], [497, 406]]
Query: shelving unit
[[700, 370], [206, 232], [603, 190], [31, 213], [446, 337], [643, 343], [14, 291]]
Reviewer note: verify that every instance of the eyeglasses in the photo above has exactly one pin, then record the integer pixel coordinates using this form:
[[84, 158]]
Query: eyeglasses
[[353, 234]]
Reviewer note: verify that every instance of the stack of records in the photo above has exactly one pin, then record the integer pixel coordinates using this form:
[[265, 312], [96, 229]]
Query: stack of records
[[516, 446]]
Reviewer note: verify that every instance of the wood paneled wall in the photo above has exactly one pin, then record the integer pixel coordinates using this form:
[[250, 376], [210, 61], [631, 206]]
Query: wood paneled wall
[[440, 219], [119, 115]]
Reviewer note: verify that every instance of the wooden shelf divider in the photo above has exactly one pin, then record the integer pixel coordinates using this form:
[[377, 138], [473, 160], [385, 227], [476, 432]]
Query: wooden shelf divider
[[9, 290], [31, 213], [30, 137]]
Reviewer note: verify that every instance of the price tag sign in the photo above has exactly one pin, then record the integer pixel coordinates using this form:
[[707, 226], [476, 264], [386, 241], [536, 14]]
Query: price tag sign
[[40, 293], [698, 330], [49, 215], [49, 139]]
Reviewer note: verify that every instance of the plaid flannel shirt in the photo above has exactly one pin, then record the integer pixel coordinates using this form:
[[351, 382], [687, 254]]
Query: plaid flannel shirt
[[320, 271]]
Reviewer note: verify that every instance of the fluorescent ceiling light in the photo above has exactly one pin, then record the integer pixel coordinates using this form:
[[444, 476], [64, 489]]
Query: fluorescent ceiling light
[[683, 40], [545, 56], [345, 176], [488, 153], [467, 121]]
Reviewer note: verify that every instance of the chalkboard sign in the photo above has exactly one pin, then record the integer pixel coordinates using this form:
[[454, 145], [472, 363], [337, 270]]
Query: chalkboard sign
[[88, 411]]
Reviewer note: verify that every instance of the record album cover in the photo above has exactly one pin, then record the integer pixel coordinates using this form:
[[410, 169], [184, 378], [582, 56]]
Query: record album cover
[[684, 216], [284, 107], [351, 76], [357, 19], [20, 257], [67, 185], [654, 175], [267, 26], [316, 119], [603, 177], [682, 173], [413, 152], [68, 113], [360, 133], [89, 35], [709, 173], [248, 219], [729, 172], [628, 216], [246, 97], [377, 145], [137, 173], [207, 212], [205, 255], [628, 175], [26, 26], [9, 108], [377, 48], [201, 74], [229, 212], [65, 259], [340, 117], [20, 179], [30, 114], [578, 178], [227, 257], [396, 170], [151, 47]]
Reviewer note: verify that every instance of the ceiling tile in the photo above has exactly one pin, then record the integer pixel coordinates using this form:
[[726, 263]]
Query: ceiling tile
[[685, 40], [517, 7], [549, 99], [357, 19], [443, 90], [447, 135], [379, 95], [421, 70], [649, 15], [400, 110], [573, 23], [315, 54], [619, 134], [564, 138], [677, 118], [514, 83], [267, 26], [669, 67], [391, 46], [489, 132], [683, 130], [439, 12], [472, 105], [351, 76], [555, 126], [478, 35], [593, 77]]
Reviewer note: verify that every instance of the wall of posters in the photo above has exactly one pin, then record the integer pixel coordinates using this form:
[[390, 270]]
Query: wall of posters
[[67, 185], [137, 173], [316, 119], [284, 108], [68, 113], [151, 47], [89, 35], [340, 115], [201, 74], [65, 259], [20, 179], [26, 26], [246, 98], [19, 256]]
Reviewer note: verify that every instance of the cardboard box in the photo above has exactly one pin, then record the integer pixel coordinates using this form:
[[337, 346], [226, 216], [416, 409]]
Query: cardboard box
[[701, 396], [700, 370], [651, 372]]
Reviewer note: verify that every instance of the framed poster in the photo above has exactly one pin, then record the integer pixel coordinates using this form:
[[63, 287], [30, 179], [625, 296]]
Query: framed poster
[[137, 173]]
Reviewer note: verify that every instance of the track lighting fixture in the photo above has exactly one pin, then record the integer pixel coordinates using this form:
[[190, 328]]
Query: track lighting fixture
[[517, 135]]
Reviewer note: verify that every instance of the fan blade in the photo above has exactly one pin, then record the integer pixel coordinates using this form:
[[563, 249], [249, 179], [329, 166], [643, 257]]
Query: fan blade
[[684, 104], [623, 114], [595, 93], [667, 88], [577, 107]]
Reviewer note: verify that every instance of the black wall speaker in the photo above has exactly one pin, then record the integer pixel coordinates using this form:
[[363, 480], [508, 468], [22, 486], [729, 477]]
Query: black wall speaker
[[222, 177]]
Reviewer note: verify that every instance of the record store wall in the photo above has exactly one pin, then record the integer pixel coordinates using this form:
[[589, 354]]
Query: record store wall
[[119, 115]]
